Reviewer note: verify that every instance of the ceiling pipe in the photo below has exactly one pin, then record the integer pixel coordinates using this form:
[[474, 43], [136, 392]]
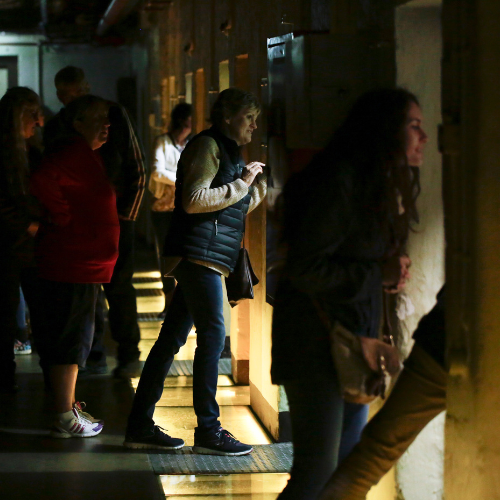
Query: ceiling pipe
[[117, 10]]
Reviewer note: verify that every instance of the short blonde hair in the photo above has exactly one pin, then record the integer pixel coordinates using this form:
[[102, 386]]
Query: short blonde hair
[[230, 102]]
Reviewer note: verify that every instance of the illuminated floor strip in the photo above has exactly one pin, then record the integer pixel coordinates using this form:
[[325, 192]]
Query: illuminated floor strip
[[261, 486]]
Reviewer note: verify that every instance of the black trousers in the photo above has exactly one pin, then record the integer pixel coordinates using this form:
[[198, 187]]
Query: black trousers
[[122, 314], [13, 274], [161, 223]]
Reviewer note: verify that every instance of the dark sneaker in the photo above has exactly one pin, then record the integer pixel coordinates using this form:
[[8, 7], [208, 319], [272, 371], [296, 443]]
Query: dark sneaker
[[219, 442], [158, 440]]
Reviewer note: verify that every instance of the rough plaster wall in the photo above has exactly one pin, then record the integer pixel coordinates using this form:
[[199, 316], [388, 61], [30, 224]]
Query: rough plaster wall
[[473, 204], [418, 57]]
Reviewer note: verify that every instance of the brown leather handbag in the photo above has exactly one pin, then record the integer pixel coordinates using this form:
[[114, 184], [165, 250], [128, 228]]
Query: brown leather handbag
[[364, 365]]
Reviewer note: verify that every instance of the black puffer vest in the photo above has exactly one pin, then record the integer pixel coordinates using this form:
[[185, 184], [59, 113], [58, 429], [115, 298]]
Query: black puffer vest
[[213, 236]]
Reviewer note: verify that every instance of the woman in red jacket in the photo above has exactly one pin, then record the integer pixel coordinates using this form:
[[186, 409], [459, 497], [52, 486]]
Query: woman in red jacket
[[76, 249]]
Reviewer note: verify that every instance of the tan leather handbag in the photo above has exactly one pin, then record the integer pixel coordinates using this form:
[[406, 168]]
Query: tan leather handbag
[[364, 365]]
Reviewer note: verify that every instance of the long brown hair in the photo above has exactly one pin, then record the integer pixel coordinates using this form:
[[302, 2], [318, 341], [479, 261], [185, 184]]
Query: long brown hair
[[372, 140], [13, 154]]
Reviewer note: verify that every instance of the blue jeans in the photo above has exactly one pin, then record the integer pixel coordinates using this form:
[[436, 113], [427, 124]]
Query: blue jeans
[[324, 430], [197, 300], [22, 334]]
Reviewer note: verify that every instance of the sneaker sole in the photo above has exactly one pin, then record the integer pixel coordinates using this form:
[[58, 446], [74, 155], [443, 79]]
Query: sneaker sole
[[207, 451], [144, 446], [57, 434]]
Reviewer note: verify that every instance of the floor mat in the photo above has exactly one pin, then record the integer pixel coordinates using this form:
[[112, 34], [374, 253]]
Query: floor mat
[[148, 292], [150, 316], [185, 367], [264, 458], [145, 280]]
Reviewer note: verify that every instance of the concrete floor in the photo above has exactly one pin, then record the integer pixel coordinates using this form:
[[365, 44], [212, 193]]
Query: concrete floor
[[34, 466]]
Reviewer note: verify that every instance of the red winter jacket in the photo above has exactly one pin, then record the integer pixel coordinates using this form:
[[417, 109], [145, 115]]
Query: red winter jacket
[[78, 241]]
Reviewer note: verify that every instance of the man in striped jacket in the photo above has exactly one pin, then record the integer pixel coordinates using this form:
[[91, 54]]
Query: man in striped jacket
[[123, 159]]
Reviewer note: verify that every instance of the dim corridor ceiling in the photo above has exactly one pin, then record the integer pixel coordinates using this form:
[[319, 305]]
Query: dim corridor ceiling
[[75, 21]]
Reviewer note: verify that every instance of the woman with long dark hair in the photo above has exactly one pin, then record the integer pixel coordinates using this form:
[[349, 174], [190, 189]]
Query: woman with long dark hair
[[19, 117], [347, 217]]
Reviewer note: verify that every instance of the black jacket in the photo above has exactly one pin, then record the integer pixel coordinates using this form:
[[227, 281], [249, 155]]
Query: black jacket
[[335, 250], [18, 209], [214, 236]]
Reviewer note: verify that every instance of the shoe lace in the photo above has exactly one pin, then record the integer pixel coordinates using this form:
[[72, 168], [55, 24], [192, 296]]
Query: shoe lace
[[79, 406], [224, 434], [160, 429]]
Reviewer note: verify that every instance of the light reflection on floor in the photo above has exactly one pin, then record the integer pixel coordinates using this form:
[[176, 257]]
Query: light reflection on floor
[[148, 274], [186, 381], [154, 304], [226, 396], [256, 486], [185, 352], [157, 285]]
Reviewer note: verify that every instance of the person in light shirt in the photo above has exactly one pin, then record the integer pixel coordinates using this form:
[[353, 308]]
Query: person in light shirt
[[168, 149]]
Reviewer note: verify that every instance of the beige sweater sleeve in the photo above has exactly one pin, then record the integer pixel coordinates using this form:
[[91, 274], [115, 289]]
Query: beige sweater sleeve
[[259, 193], [200, 164]]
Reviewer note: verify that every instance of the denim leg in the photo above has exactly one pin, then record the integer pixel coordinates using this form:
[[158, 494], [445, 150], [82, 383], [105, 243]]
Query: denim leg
[[418, 396], [173, 336], [22, 330], [202, 289], [317, 414], [355, 418]]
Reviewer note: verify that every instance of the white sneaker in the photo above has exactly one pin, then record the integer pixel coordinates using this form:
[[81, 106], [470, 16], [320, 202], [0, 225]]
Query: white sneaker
[[79, 406], [76, 426]]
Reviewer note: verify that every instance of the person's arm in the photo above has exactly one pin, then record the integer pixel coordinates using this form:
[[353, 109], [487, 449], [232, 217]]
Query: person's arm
[[200, 163], [129, 178], [45, 185], [313, 264], [14, 217], [258, 193], [165, 164]]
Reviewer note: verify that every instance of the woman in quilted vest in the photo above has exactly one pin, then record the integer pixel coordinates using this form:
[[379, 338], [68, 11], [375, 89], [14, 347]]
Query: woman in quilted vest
[[214, 191]]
